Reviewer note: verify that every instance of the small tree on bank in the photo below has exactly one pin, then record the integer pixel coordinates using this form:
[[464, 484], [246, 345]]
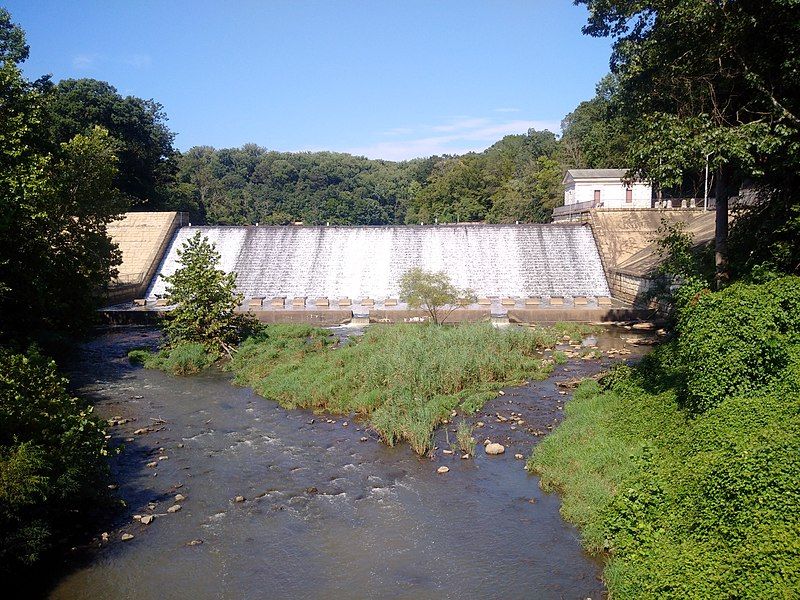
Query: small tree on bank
[[434, 292], [205, 299]]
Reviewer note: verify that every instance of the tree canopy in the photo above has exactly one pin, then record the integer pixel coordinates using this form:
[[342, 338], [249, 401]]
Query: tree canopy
[[712, 81], [138, 126]]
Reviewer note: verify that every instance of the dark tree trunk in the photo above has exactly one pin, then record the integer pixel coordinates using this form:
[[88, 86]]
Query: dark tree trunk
[[721, 233]]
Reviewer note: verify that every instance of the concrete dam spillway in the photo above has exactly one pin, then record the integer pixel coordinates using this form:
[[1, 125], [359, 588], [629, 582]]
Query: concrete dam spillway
[[361, 262]]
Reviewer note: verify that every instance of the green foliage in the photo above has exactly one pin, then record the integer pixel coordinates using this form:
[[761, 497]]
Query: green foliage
[[741, 337], [595, 135], [185, 358], [142, 140], [52, 459], [517, 179], [53, 276], [698, 502], [12, 40], [682, 271], [404, 379], [206, 300], [433, 292]]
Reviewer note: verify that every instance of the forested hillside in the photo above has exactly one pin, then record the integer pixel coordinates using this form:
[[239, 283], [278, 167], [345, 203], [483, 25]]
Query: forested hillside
[[517, 179]]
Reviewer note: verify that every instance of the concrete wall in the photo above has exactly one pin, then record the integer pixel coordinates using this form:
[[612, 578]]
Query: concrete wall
[[142, 238], [626, 240]]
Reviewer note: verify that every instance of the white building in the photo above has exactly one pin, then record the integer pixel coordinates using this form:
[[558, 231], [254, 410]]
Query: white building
[[606, 188]]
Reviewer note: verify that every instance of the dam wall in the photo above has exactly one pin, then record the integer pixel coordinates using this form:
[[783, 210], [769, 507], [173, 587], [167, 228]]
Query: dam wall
[[627, 240], [553, 260], [142, 238]]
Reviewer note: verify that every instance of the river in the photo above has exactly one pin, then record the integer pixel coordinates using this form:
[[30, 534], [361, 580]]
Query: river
[[326, 513]]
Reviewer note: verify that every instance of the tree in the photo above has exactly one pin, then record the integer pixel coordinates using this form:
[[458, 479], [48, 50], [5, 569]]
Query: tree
[[594, 135], [709, 79], [55, 255], [433, 292], [52, 459], [206, 300], [144, 142], [12, 40]]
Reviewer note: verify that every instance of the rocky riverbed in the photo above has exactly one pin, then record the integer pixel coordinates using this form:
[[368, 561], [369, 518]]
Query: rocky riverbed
[[228, 495]]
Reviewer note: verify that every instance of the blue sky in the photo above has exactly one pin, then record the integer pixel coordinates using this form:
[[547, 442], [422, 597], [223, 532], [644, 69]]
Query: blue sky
[[391, 80]]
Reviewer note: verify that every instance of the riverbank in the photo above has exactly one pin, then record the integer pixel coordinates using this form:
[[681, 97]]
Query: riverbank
[[315, 496], [685, 471]]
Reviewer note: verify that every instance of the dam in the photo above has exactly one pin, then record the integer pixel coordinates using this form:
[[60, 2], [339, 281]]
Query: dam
[[513, 261]]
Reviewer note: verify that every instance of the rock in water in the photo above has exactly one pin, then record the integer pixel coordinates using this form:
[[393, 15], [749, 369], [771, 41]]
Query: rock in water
[[442, 470], [518, 456], [239, 499], [174, 508], [494, 448], [179, 497], [147, 519], [126, 536]]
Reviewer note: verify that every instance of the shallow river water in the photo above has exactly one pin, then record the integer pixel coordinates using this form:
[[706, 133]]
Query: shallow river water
[[326, 515]]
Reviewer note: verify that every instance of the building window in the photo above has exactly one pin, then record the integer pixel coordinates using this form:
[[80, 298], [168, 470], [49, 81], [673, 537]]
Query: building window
[[628, 195]]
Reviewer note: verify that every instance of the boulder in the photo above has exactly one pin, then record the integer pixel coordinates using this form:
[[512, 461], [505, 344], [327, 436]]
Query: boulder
[[174, 508], [441, 470], [494, 448]]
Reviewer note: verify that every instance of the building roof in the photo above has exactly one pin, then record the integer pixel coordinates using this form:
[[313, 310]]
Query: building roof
[[597, 173]]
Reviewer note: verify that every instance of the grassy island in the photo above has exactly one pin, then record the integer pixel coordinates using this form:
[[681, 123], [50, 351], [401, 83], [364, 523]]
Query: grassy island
[[405, 379]]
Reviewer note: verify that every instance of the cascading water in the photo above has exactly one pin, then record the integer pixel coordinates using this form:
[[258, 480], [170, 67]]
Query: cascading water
[[359, 262]]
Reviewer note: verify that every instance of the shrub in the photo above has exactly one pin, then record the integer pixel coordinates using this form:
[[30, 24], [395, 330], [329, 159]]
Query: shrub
[[736, 341], [693, 492], [52, 458], [434, 292]]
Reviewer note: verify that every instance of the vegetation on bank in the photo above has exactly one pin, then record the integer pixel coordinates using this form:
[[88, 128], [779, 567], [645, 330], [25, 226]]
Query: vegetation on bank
[[403, 379], [52, 459], [686, 468]]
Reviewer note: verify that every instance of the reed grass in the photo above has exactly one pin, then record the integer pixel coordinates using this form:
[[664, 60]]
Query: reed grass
[[403, 379]]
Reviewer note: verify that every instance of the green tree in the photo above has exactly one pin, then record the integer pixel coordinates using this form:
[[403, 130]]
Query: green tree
[[144, 142], [595, 135], [433, 292], [709, 79], [12, 40], [206, 300], [55, 256]]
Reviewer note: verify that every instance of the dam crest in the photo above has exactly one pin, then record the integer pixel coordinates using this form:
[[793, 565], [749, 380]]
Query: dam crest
[[549, 260]]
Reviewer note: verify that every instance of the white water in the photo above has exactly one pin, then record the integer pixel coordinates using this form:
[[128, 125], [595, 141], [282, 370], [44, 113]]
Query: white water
[[359, 262]]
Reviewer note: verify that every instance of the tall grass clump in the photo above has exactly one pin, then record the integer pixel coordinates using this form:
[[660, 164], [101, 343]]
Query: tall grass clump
[[466, 442], [685, 470], [405, 379], [187, 358]]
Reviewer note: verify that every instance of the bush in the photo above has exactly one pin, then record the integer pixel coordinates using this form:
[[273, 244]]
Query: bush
[[52, 459], [736, 341], [206, 300]]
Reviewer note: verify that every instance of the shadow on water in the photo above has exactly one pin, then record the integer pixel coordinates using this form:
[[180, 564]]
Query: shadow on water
[[328, 511]]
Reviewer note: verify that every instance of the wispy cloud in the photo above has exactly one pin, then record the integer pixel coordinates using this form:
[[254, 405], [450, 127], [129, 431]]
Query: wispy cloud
[[456, 135], [84, 62], [138, 61]]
